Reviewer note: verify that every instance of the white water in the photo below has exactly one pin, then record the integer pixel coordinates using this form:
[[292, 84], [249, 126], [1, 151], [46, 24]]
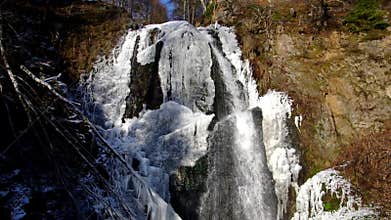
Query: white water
[[276, 109], [110, 79], [176, 134], [253, 181]]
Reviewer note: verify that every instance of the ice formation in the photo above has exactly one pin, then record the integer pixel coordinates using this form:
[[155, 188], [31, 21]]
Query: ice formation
[[108, 84], [310, 204], [282, 157], [201, 76]]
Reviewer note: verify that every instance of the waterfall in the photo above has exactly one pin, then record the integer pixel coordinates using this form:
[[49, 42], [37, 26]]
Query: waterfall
[[169, 95]]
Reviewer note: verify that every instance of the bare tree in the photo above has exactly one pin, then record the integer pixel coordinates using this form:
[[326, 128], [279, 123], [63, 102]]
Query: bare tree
[[189, 10]]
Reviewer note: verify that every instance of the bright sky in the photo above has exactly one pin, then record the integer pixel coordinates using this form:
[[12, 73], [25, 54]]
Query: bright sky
[[170, 7]]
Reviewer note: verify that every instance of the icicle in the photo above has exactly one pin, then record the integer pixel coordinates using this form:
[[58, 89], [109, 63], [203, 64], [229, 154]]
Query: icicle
[[282, 158], [176, 133], [310, 204]]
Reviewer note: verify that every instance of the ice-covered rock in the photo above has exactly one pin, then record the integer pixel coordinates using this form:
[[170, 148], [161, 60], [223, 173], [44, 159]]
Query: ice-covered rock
[[310, 203], [172, 94]]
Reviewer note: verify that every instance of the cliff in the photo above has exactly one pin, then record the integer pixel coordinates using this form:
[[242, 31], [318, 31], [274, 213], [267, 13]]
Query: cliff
[[336, 68]]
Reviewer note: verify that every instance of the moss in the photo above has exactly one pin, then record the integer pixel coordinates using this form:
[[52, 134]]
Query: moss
[[366, 15], [187, 186], [255, 7], [331, 206], [210, 10], [312, 172], [375, 35], [330, 201], [277, 16], [193, 178]]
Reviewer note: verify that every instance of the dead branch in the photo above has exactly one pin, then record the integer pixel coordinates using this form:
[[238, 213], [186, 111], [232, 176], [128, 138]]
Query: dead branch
[[146, 192], [62, 98], [75, 143], [66, 135], [47, 85], [9, 72], [74, 108]]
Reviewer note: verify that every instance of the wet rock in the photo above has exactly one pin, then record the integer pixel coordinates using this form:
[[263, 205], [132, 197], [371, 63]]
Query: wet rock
[[187, 186], [223, 105], [144, 84]]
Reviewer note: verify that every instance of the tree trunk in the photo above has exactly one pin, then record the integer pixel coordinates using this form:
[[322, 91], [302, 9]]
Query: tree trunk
[[203, 4], [184, 9]]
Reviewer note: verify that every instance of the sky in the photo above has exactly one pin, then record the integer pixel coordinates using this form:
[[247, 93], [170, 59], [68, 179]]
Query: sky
[[170, 7]]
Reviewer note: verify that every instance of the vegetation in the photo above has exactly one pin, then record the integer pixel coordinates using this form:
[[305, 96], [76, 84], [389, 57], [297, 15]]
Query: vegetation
[[366, 15], [191, 10], [144, 11], [330, 202], [210, 10], [369, 168]]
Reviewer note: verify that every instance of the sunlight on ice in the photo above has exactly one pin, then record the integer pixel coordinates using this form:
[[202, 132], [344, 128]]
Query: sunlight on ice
[[176, 134], [310, 204]]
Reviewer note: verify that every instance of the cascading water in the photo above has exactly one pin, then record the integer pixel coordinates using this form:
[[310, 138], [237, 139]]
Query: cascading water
[[171, 94]]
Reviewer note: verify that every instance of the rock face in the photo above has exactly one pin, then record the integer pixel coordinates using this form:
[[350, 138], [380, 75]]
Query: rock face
[[187, 186], [144, 84], [342, 80]]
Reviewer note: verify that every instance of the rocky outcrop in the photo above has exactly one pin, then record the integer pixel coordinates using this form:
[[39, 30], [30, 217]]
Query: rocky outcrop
[[187, 187], [342, 79], [144, 84]]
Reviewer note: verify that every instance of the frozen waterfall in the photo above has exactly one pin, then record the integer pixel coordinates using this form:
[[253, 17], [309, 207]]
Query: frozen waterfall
[[170, 94]]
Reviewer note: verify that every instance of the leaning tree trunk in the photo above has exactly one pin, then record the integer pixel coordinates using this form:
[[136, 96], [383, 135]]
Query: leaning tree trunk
[[203, 4]]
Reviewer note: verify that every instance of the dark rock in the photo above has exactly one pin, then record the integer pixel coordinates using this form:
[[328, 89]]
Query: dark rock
[[223, 104], [144, 84], [187, 186], [135, 164]]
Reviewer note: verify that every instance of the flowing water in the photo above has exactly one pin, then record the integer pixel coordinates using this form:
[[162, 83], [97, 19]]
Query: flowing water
[[170, 94]]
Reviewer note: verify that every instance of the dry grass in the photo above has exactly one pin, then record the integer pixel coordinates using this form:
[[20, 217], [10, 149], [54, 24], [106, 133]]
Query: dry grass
[[369, 168], [95, 31]]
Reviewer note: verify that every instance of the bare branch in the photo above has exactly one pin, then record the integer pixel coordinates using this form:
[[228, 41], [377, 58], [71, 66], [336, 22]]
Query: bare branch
[[47, 85], [203, 4], [9, 72]]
